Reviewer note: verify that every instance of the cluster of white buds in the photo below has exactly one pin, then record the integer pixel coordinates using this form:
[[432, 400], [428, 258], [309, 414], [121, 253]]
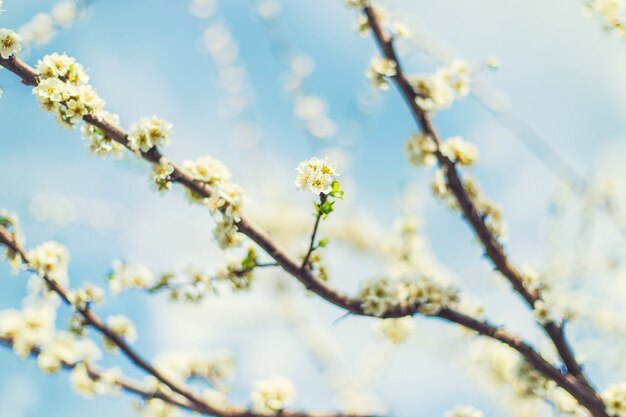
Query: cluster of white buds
[[459, 151], [88, 385], [421, 149], [149, 132], [239, 272], [86, 295], [99, 143], [50, 259], [396, 331], [316, 175], [614, 397], [162, 175], [63, 90], [122, 327], [464, 411], [10, 223], [28, 328], [10, 43], [226, 197], [438, 91], [380, 295], [124, 276], [611, 11], [432, 296], [64, 349], [214, 367], [270, 396], [379, 70]]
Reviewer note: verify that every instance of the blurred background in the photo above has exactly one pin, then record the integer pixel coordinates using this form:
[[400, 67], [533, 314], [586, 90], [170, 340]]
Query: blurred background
[[262, 85]]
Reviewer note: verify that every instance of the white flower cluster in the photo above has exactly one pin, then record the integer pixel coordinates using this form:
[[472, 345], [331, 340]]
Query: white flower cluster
[[99, 143], [50, 259], [270, 396], [149, 132], [380, 295], [459, 151], [396, 331], [316, 175], [421, 150], [226, 197], [431, 295], [43, 26], [122, 327], [124, 276], [438, 91], [64, 348], [614, 397], [88, 386], [214, 367], [10, 43], [379, 70], [611, 11], [63, 90], [464, 411], [10, 223], [489, 211], [86, 295], [161, 175]]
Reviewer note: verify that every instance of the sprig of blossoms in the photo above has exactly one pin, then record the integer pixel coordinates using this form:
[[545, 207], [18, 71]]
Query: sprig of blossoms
[[380, 295], [149, 132], [99, 143], [88, 385], [122, 327], [316, 175], [431, 295], [124, 276], [379, 70], [459, 151], [63, 90], [438, 91], [270, 396], [226, 197], [421, 149], [50, 259], [10, 43], [10, 223], [214, 367]]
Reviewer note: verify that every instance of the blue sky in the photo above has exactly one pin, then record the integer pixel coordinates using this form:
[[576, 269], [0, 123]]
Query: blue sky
[[560, 71]]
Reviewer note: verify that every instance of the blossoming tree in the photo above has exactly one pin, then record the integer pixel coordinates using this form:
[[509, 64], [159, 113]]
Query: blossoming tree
[[553, 375]]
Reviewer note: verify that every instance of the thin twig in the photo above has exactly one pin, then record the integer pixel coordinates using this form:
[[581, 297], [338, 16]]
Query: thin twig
[[318, 217]]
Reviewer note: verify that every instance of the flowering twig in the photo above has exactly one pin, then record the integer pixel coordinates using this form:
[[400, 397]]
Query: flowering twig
[[318, 217]]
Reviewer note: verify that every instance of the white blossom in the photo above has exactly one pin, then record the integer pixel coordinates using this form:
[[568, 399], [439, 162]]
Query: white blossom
[[270, 396], [149, 132], [10, 43], [125, 276], [316, 175]]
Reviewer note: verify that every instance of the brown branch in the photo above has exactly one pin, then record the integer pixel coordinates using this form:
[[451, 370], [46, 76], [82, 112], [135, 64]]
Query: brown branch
[[492, 246]]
